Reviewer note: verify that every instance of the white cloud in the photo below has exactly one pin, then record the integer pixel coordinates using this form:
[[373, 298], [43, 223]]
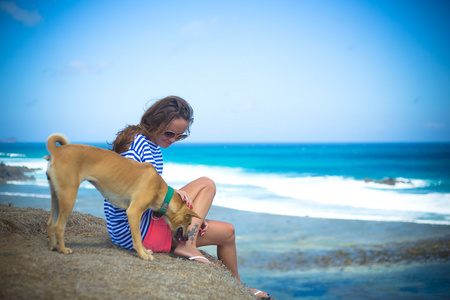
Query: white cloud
[[77, 66], [198, 29], [434, 125], [29, 18], [245, 107]]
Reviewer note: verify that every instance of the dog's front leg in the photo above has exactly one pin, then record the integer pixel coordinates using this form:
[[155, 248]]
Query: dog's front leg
[[134, 215]]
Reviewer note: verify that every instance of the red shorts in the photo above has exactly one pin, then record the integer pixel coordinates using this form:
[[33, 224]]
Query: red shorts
[[159, 236]]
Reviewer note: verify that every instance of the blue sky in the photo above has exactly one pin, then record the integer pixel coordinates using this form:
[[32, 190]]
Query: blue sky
[[254, 71]]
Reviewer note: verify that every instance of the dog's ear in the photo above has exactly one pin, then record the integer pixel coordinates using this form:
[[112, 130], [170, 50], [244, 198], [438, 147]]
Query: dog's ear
[[194, 215]]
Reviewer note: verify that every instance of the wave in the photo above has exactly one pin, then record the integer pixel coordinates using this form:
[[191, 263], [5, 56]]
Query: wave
[[334, 197], [27, 195], [318, 196], [38, 183], [38, 165], [12, 155]]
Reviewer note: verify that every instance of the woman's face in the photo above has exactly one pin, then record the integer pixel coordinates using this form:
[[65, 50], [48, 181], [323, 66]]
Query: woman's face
[[177, 126]]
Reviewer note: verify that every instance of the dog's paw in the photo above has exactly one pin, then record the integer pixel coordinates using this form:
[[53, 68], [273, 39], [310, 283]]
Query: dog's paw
[[66, 251], [147, 257]]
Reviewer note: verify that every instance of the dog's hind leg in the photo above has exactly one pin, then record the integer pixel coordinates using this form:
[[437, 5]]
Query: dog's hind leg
[[54, 212], [66, 201], [134, 214]]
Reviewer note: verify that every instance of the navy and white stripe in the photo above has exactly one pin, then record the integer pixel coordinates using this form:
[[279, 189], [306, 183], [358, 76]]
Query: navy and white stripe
[[141, 150]]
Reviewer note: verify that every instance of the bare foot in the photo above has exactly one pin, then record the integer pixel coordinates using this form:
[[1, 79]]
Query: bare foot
[[191, 252], [260, 294]]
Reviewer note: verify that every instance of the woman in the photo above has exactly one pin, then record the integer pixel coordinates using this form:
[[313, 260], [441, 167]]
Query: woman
[[164, 123]]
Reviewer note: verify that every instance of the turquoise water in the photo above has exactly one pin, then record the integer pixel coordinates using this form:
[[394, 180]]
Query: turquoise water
[[325, 180], [267, 190], [410, 160], [426, 161], [315, 180]]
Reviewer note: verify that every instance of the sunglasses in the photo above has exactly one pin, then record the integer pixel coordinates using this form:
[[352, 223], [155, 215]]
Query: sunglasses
[[178, 136]]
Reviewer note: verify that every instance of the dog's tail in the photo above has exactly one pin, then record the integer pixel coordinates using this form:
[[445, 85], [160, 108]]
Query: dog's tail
[[51, 143]]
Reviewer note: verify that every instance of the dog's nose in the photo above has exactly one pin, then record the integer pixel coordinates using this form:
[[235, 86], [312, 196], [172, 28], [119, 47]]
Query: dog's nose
[[181, 236]]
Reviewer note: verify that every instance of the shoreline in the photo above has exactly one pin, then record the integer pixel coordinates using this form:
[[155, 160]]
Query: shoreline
[[302, 232], [322, 259], [275, 253], [285, 233]]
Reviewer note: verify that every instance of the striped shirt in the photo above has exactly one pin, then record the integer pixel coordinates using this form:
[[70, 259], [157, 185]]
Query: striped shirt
[[141, 150]]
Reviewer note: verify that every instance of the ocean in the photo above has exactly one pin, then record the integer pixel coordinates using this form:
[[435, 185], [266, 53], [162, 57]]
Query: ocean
[[324, 180], [304, 213]]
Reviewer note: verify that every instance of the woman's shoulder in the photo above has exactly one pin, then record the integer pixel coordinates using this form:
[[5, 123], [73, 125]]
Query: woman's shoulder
[[141, 143], [145, 148]]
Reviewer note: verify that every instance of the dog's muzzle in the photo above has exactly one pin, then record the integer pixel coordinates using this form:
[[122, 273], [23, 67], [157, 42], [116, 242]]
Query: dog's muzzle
[[180, 237]]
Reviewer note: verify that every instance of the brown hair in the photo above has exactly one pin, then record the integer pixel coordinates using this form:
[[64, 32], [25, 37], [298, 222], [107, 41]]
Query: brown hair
[[155, 121]]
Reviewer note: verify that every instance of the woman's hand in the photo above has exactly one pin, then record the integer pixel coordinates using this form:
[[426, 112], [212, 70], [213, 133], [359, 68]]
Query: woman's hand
[[185, 197], [203, 228]]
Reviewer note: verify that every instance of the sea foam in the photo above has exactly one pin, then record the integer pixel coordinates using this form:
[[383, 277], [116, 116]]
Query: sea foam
[[333, 197], [318, 196]]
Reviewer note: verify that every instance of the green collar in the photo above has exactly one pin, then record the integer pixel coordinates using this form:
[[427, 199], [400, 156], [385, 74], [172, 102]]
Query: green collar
[[166, 202]]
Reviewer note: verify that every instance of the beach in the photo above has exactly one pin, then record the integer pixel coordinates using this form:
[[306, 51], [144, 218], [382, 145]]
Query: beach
[[310, 258], [311, 221]]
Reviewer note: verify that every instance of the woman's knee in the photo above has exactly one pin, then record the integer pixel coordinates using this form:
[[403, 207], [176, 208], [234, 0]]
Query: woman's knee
[[208, 184], [229, 232]]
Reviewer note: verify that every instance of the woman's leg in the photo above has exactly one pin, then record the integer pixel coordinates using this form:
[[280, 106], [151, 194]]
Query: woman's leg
[[223, 235], [202, 192]]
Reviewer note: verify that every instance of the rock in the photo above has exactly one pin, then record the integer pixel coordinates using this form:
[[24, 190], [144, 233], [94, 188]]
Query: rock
[[388, 181], [8, 173], [97, 269]]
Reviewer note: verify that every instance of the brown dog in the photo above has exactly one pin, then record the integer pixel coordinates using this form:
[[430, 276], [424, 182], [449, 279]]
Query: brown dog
[[125, 183]]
